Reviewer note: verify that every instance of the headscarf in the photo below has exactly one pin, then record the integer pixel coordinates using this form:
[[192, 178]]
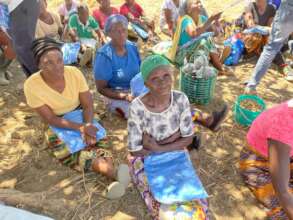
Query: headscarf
[[151, 63], [113, 19], [44, 44]]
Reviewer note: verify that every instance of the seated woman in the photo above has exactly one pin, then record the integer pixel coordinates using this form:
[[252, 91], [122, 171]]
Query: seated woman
[[66, 9], [84, 28], [103, 12], [57, 90], [116, 63], [160, 121], [49, 25], [191, 26], [261, 13], [170, 12], [266, 163], [169, 16], [135, 14]]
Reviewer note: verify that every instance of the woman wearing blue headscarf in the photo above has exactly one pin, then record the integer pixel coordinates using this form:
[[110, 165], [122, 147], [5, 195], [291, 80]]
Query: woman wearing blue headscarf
[[116, 63]]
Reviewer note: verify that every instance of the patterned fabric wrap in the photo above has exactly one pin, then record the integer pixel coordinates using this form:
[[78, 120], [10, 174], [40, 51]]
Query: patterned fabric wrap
[[254, 169], [194, 210], [81, 160]]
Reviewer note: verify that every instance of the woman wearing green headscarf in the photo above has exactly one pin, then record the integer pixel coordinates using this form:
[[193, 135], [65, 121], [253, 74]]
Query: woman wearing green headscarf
[[161, 121]]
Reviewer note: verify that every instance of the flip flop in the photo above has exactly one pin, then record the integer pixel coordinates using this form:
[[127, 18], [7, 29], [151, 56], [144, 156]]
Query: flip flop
[[123, 175], [219, 117], [114, 191]]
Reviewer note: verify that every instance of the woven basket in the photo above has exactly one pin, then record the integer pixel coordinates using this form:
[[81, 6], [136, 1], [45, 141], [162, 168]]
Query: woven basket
[[199, 91]]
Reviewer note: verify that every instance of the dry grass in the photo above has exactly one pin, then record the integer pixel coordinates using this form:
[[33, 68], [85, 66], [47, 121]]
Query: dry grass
[[26, 166]]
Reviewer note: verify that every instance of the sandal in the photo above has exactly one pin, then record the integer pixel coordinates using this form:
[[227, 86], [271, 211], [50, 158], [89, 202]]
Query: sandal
[[218, 117], [196, 143], [123, 175], [114, 191]]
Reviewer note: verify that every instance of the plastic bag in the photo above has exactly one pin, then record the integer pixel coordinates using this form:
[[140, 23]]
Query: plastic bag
[[70, 52], [172, 178], [237, 49], [137, 86], [4, 17], [72, 138]]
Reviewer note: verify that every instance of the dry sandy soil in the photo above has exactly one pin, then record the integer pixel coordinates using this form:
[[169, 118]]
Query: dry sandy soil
[[32, 179]]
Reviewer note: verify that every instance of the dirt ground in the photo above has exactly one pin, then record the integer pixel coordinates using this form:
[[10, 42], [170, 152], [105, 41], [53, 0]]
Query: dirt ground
[[32, 179]]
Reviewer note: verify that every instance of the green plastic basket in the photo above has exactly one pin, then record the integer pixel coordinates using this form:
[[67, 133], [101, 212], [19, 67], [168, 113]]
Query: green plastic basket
[[198, 91], [244, 116]]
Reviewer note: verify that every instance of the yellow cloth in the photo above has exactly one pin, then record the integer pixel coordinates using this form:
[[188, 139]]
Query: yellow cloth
[[38, 93], [50, 30]]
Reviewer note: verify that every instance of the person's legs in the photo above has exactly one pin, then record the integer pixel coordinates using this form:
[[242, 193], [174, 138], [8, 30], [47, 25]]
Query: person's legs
[[282, 28], [23, 21]]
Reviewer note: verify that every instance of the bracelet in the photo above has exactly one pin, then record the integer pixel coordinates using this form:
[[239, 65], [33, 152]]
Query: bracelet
[[88, 124]]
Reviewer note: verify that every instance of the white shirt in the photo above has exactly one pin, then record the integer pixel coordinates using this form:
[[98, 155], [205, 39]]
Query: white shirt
[[168, 4], [12, 4]]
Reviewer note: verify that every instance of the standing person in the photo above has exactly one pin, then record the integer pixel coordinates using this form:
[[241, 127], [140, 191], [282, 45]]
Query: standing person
[[103, 12], [23, 19], [281, 29]]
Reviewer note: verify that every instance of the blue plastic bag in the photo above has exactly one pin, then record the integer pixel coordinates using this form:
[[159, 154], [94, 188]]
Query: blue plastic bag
[[257, 30], [140, 31], [237, 49], [70, 52], [4, 16], [275, 3], [72, 138], [172, 178], [137, 86]]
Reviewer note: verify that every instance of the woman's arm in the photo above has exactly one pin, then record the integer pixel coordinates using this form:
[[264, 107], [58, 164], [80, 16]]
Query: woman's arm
[[279, 156], [248, 19], [89, 130], [62, 18], [102, 87], [73, 35], [86, 101], [168, 18], [49, 117], [195, 32], [270, 21], [150, 144]]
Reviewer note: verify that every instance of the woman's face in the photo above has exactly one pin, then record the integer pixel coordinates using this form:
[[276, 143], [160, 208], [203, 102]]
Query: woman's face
[[160, 81], [118, 34], [51, 62], [83, 15], [194, 6]]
